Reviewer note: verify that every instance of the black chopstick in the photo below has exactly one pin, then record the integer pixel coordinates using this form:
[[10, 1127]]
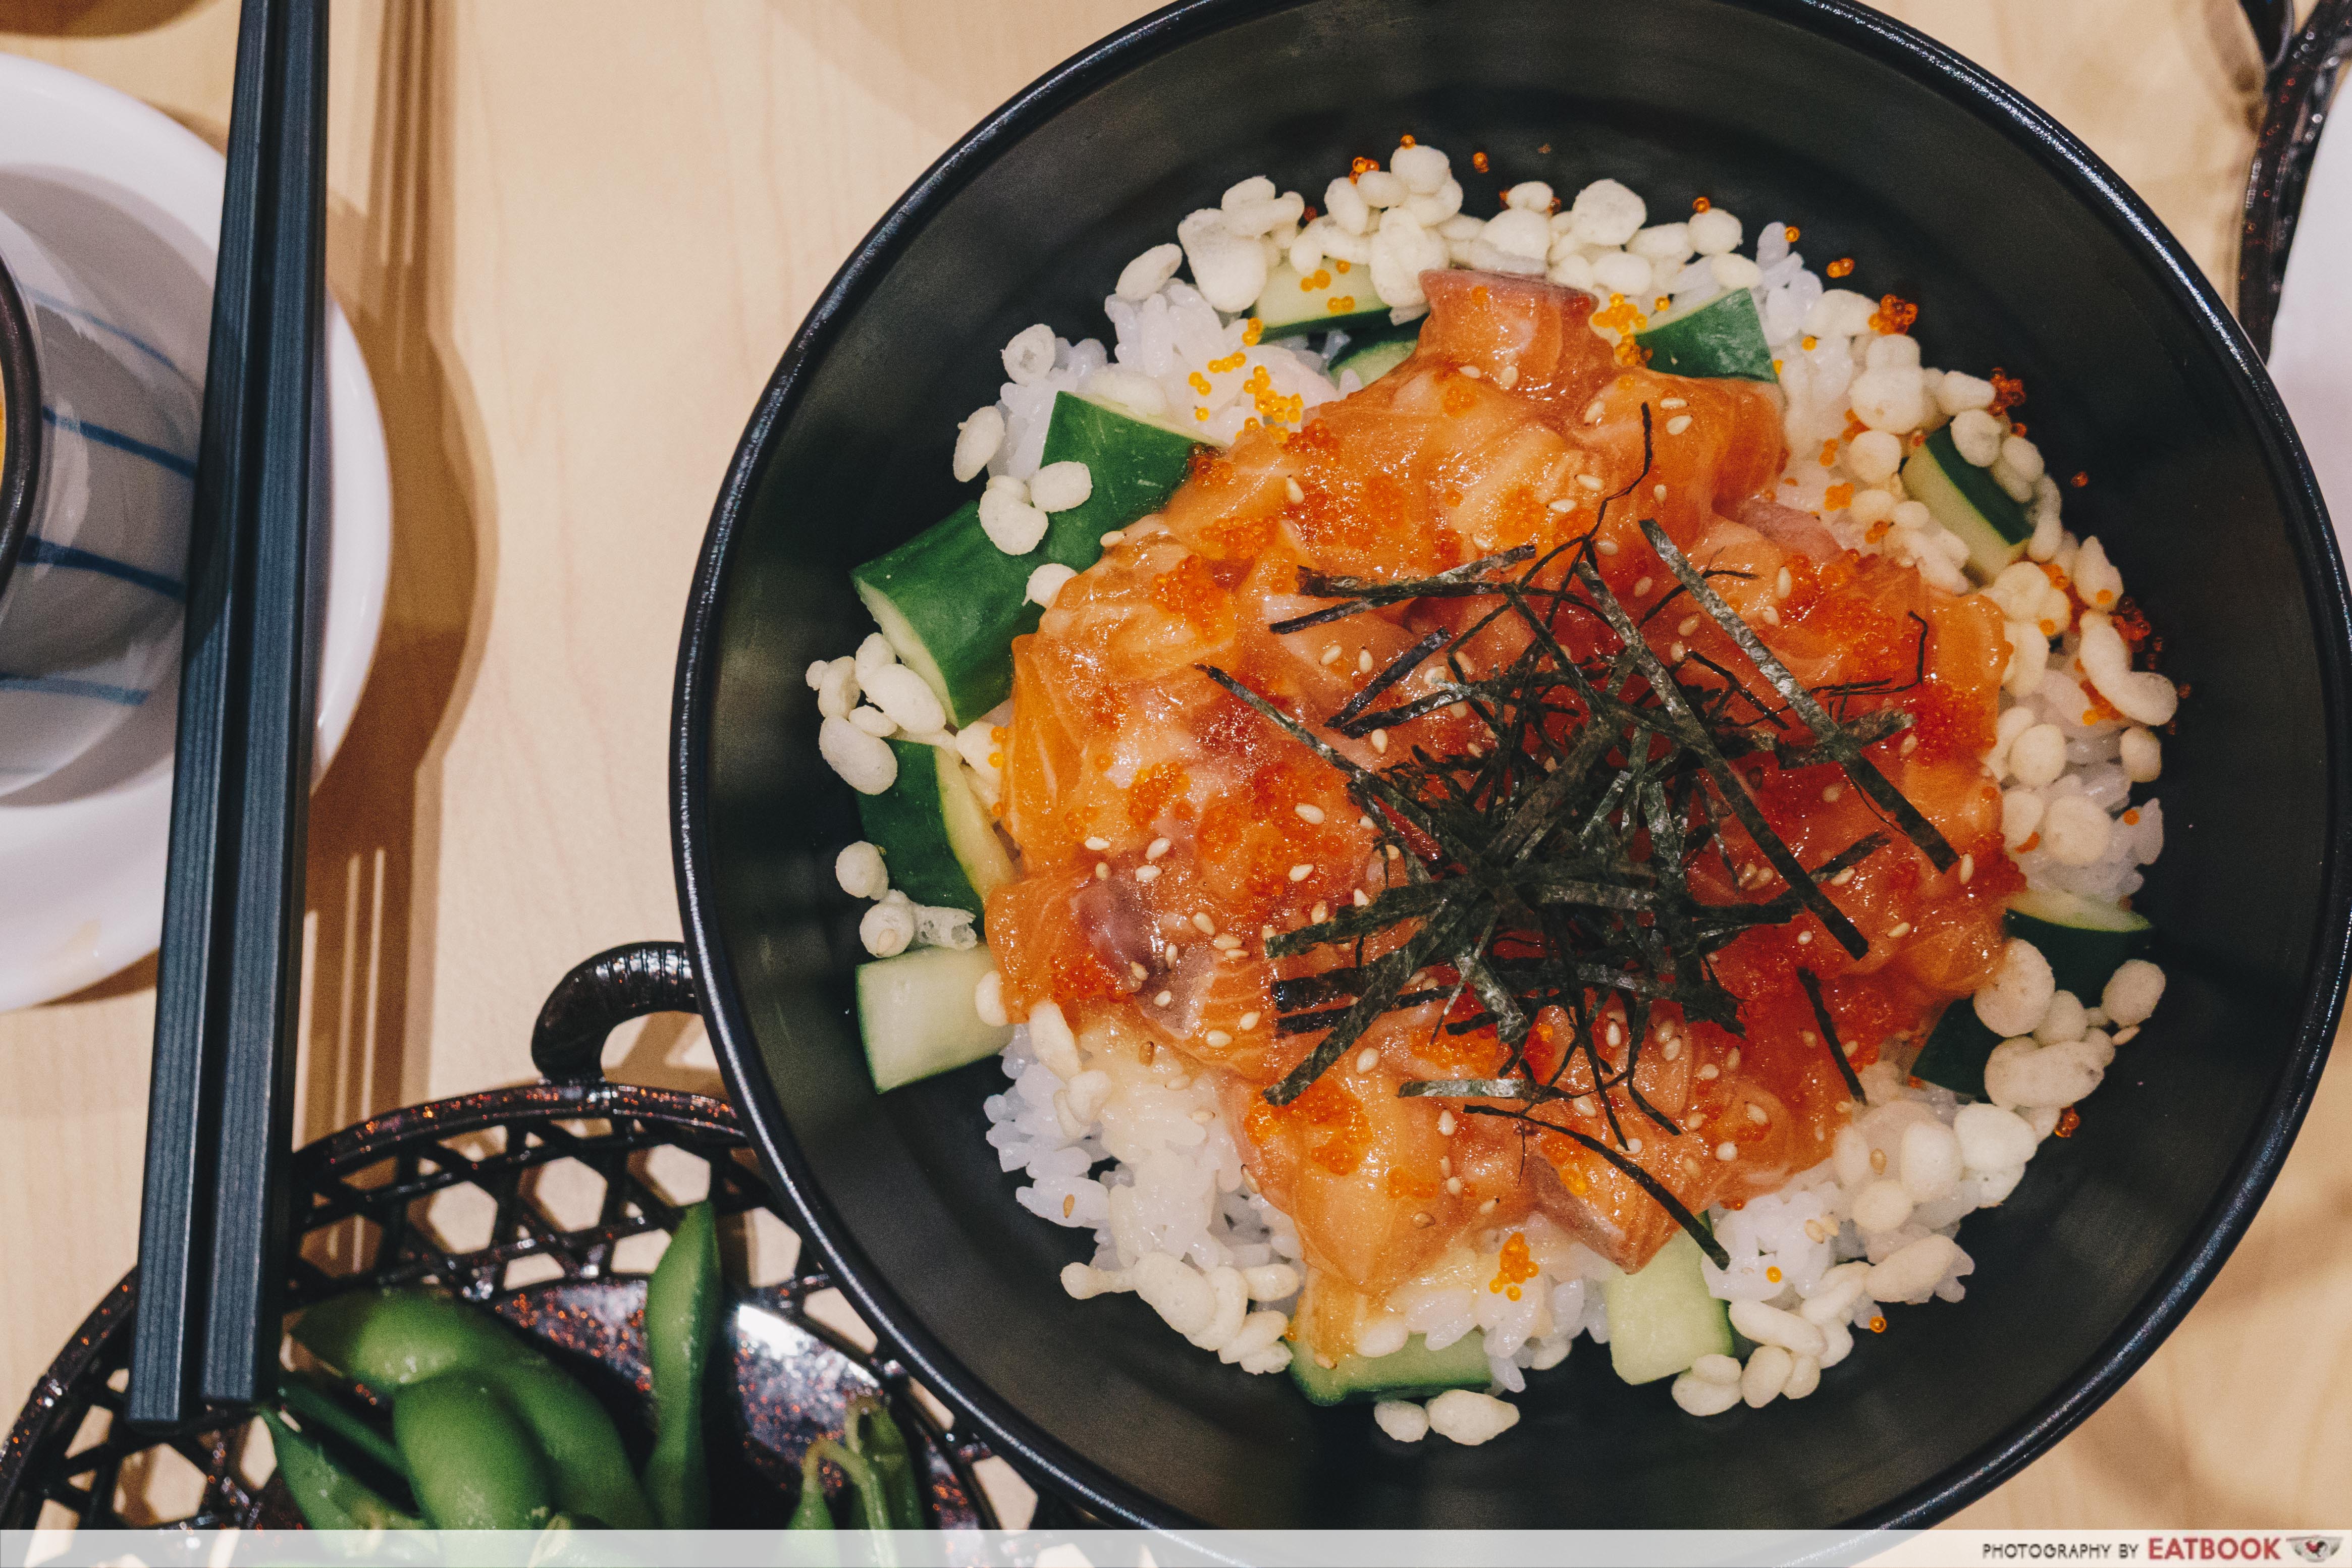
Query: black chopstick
[[213, 1222]]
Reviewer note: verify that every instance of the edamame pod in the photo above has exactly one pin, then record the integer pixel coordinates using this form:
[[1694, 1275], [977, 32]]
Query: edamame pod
[[681, 1322], [876, 1436], [389, 1340], [810, 1513], [314, 1405], [330, 1496], [473, 1462]]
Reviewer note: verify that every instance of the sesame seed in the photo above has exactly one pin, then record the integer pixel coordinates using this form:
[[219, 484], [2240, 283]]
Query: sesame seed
[[1164, 998], [1380, 742], [1471, 372], [1900, 929], [1674, 402], [1361, 899], [1910, 744], [1615, 1036], [1582, 1104], [1175, 954], [1593, 415], [1671, 1049], [1590, 481], [1204, 925], [1968, 867], [1677, 425], [1364, 661], [1301, 872], [1331, 654], [1136, 969], [1784, 585], [1203, 1115], [1249, 1020], [1756, 1113], [1394, 852], [1113, 538], [1727, 1150], [1641, 588], [1677, 653], [1454, 1185], [1367, 1059], [2125, 1036], [1770, 616], [1218, 1037], [1508, 376], [1634, 1145], [1147, 873], [1659, 490], [1878, 1161], [1320, 913], [1365, 821], [1422, 1221], [1607, 547], [1843, 877], [1228, 942], [1290, 489], [1102, 869], [1562, 505], [1832, 793], [1099, 845], [1710, 1071], [1069, 1203], [1157, 847], [1307, 813], [1731, 1058], [1487, 1206], [1445, 1123], [1803, 937]]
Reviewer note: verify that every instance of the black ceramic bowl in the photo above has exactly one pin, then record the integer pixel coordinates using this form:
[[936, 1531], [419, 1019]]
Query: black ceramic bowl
[[1944, 187]]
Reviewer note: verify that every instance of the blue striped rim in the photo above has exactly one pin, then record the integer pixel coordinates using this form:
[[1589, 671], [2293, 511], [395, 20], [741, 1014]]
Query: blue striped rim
[[68, 686], [185, 467], [42, 553], [72, 312]]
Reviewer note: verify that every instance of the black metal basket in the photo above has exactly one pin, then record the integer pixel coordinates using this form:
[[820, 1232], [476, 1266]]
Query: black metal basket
[[364, 1197]]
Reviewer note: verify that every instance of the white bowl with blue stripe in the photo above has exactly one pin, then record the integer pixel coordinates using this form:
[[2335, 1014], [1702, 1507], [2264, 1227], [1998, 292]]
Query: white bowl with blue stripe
[[125, 203]]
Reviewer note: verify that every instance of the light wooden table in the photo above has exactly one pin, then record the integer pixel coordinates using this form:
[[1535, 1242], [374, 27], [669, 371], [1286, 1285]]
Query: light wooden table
[[573, 236]]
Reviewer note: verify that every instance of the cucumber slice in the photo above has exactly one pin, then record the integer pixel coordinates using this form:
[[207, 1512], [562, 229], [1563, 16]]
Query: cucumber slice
[[951, 602], [917, 1014], [1956, 1051], [1965, 499], [2085, 939], [1723, 338], [1338, 296], [1416, 1372], [1661, 1319], [1371, 361], [933, 832]]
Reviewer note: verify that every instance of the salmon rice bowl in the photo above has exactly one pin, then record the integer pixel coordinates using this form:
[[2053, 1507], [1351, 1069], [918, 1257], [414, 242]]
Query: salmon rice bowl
[[1493, 780]]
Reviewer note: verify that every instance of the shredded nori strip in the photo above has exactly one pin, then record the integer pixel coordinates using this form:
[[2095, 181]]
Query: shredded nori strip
[[1813, 984], [1551, 869]]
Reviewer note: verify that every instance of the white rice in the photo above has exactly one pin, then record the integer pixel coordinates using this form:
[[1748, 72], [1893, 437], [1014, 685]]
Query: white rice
[[1140, 1156]]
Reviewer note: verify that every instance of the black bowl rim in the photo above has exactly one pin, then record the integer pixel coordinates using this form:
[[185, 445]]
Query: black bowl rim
[[1868, 33], [20, 423]]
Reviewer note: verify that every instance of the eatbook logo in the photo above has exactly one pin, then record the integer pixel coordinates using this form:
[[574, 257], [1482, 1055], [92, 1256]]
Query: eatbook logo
[[2315, 1548]]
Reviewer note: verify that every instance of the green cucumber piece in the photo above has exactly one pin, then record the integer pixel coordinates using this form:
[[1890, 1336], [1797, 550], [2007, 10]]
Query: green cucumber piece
[[1965, 499], [1416, 1372], [1722, 337], [2085, 939], [951, 602], [1956, 1049], [933, 832], [1371, 361], [917, 1017], [1290, 306], [1661, 1319]]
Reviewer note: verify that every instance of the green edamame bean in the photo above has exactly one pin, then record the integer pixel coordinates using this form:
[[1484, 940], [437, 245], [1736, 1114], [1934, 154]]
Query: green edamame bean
[[873, 1508], [681, 1322], [390, 1339], [330, 1496], [473, 1462]]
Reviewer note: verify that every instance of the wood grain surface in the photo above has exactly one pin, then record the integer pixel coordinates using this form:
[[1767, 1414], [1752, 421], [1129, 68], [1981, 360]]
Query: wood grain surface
[[574, 236]]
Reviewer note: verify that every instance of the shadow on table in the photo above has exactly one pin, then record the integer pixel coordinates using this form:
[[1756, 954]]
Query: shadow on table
[[375, 823]]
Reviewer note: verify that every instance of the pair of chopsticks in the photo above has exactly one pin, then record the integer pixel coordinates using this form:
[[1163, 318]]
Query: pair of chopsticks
[[214, 1222]]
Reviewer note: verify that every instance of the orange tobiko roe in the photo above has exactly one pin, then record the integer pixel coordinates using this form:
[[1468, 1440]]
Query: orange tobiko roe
[[1166, 829]]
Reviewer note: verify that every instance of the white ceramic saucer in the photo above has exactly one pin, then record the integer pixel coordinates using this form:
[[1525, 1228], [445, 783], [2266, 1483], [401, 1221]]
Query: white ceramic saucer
[[82, 855]]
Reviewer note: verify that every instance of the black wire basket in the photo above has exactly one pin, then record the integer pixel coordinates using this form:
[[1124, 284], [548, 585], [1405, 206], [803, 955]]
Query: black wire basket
[[486, 1196]]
